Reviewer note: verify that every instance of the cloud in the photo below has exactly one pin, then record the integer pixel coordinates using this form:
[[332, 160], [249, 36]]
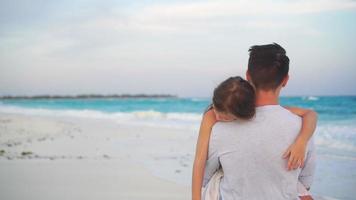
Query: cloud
[[203, 10], [166, 38], [124, 25], [187, 17]]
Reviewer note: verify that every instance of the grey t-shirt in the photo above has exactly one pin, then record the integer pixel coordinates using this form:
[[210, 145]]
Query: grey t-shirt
[[250, 154]]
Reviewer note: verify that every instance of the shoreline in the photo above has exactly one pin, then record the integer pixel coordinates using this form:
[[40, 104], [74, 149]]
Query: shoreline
[[88, 96]]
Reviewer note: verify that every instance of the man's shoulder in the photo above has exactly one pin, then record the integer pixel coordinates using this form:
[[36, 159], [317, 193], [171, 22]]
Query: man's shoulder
[[278, 112], [223, 128], [227, 126], [290, 116], [279, 118]]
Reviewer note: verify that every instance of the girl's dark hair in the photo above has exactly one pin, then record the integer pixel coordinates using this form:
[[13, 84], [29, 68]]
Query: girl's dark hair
[[235, 96]]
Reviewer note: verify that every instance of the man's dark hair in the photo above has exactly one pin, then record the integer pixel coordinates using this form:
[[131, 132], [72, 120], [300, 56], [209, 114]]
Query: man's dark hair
[[268, 65], [235, 96]]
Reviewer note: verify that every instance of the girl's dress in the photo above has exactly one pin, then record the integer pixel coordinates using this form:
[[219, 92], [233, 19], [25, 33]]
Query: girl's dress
[[211, 189]]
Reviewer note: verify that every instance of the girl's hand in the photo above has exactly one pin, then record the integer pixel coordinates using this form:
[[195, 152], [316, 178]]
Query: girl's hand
[[296, 153], [306, 197], [209, 118]]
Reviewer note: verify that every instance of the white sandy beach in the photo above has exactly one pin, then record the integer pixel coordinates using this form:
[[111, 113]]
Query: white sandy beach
[[67, 157], [73, 158]]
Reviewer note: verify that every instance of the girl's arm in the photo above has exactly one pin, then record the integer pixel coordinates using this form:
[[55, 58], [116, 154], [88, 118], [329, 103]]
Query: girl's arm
[[296, 151], [202, 153]]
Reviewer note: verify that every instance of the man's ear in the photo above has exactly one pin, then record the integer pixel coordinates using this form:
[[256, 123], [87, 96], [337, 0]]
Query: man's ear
[[248, 77], [285, 80]]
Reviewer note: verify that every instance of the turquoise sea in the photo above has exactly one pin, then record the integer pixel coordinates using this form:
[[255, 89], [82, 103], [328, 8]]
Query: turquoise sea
[[335, 135]]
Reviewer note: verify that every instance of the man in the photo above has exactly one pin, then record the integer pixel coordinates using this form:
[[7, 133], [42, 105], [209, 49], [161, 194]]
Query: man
[[250, 152]]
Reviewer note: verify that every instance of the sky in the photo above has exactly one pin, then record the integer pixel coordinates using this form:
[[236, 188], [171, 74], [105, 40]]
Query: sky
[[182, 47]]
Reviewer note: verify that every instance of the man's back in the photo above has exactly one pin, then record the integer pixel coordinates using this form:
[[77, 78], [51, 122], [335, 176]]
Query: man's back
[[250, 153]]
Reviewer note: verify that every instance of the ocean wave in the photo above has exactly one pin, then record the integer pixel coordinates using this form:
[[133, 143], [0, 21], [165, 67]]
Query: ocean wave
[[149, 117], [336, 136], [331, 135], [310, 98], [199, 99]]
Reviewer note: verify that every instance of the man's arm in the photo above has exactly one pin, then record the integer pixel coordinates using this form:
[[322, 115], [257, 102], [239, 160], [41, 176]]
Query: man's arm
[[307, 173]]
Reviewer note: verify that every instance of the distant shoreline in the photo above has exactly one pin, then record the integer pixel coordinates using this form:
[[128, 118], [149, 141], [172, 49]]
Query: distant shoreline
[[90, 96], [138, 96]]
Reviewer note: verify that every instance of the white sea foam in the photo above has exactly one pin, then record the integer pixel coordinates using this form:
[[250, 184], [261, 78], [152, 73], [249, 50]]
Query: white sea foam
[[198, 99], [149, 117], [329, 135], [337, 136], [311, 98]]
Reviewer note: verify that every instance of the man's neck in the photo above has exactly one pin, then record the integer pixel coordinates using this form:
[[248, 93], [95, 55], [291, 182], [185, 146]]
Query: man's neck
[[264, 98]]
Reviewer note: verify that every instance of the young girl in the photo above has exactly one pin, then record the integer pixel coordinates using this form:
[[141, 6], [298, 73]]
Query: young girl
[[234, 99]]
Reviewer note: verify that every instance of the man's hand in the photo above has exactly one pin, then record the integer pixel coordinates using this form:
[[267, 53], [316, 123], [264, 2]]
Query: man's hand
[[296, 153]]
